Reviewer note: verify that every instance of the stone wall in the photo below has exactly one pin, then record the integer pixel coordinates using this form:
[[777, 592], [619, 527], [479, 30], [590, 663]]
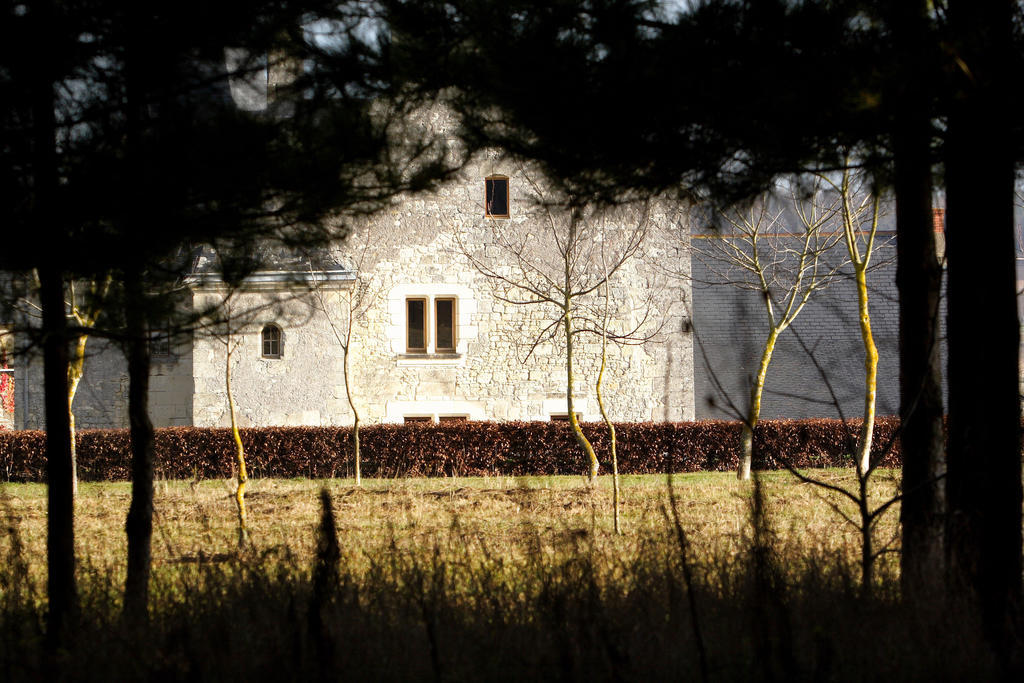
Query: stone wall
[[101, 401], [414, 250], [422, 246], [304, 386]]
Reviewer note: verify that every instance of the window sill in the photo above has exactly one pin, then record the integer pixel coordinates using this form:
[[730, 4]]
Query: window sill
[[430, 359]]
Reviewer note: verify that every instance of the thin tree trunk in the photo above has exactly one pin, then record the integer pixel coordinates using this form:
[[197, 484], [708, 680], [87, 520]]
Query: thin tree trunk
[[754, 410], [919, 281], [242, 479], [870, 373], [581, 438], [139, 525], [75, 371], [867, 555], [355, 416], [611, 427], [984, 476]]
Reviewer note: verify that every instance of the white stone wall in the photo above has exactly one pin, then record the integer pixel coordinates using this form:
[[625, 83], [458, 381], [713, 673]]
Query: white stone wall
[[417, 254], [305, 386], [415, 248]]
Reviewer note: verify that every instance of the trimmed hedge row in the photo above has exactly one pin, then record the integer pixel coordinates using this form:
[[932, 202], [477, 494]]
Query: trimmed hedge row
[[461, 449]]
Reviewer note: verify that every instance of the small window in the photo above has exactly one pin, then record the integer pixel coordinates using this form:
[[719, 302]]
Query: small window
[[452, 418], [271, 337], [416, 325], [496, 196], [444, 325], [160, 341], [418, 419], [563, 417]]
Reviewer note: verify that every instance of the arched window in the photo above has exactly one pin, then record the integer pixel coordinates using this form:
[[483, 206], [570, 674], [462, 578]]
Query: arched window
[[272, 343]]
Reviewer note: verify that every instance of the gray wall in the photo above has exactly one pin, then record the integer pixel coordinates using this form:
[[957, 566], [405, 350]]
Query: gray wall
[[730, 327]]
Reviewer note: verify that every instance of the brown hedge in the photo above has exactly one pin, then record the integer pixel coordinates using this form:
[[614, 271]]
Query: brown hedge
[[462, 449]]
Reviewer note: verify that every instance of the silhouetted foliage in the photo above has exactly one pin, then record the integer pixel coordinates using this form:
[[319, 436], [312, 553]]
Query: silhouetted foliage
[[124, 143], [720, 98]]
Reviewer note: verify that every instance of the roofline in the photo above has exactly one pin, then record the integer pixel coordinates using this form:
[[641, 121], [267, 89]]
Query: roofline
[[270, 277]]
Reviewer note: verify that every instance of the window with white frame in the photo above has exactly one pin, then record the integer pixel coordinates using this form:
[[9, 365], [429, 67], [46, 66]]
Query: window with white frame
[[426, 317]]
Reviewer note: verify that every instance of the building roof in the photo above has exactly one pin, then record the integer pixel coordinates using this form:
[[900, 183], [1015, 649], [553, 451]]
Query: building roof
[[270, 265]]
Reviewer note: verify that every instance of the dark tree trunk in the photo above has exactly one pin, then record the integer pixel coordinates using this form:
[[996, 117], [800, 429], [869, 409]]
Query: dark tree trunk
[[139, 525], [60, 513], [984, 466], [919, 280], [60, 516]]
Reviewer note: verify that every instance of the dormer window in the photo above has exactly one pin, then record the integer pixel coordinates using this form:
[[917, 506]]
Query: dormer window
[[271, 341], [496, 196]]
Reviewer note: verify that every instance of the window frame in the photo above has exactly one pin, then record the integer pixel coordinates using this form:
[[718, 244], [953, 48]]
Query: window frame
[[497, 177], [269, 355], [454, 324], [426, 324], [160, 342]]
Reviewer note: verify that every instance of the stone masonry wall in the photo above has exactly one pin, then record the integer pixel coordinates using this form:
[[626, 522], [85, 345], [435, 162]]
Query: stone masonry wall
[[101, 401], [414, 252]]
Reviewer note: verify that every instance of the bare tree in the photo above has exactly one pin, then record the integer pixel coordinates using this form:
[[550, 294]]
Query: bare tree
[[859, 212], [868, 515], [356, 299], [227, 312], [604, 413], [84, 312], [760, 248], [231, 341], [558, 261], [242, 477], [851, 203], [84, 301]]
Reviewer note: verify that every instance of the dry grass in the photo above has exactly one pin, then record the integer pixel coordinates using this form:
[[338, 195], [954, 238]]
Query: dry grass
[[197, 519], [480, 579]]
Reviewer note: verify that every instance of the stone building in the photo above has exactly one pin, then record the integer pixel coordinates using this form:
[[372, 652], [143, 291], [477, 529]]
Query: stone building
[[435, 339]]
